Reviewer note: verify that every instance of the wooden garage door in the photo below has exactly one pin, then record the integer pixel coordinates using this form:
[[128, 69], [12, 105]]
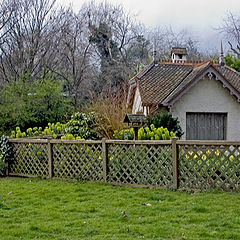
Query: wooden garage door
[[206, 126]]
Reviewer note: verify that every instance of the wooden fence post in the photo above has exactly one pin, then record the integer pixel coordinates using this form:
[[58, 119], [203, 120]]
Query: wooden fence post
[[50, 159], [175, 162], [7, 166], [105, 159]]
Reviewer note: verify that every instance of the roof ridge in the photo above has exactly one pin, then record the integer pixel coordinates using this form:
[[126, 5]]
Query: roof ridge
[[169, 63], [209, 61]]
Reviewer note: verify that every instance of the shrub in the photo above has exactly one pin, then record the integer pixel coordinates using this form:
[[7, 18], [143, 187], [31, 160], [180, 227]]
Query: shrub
[[125, 134], [232, 61], [166, 120], [145, 133], [80, 126], [84, 125], [110, 111], [71, 137], [50, 129], [27, 104]]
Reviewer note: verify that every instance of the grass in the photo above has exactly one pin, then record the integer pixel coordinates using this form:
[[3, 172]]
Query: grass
[[51, 209]]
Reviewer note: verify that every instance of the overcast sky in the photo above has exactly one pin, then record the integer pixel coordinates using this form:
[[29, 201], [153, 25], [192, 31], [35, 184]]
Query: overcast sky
[[199, 16]]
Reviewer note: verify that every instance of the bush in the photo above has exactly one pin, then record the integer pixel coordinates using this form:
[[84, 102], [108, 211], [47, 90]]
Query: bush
[[110, 111], [146, 133], [125, 134], [80, 126], [51, 129], [26, 104], [166, 120], [84, 125], [232, 61]]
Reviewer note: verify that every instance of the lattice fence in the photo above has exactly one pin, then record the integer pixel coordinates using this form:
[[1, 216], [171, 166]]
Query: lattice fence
[[30, 159], [169, 164], [79, 161], [2, 172], [209, 167], [141, 164]]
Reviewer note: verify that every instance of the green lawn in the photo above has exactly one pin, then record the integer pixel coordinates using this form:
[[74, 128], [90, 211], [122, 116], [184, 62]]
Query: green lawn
[[51, 209]]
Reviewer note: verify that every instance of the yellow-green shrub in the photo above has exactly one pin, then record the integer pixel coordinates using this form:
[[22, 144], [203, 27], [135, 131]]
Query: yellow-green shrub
[[145, 133]]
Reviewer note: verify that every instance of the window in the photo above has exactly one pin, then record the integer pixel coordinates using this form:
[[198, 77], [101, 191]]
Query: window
[[206, 126]]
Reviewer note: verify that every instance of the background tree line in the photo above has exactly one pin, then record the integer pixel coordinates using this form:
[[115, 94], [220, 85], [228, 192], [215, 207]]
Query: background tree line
[[78, 58]]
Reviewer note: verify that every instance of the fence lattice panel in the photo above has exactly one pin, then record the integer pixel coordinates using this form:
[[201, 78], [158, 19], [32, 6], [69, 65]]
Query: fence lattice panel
[[209, 167], [2, 172], [78, 161], [140, 164], [30, 159]]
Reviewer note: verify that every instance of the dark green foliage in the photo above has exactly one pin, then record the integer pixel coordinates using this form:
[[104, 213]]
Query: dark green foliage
[[101, 36], [27, 104], [84, 125], [166, 120], [80, 126], [233, 62], [112, 69]]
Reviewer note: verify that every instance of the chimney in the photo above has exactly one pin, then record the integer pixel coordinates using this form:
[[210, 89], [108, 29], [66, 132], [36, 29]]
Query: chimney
[[221, 58], [179, 55]]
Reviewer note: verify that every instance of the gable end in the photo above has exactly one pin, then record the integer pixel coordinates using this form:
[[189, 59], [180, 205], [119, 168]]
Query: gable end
[[210, 72]]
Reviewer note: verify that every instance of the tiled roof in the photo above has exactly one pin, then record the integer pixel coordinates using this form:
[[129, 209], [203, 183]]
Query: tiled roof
[[196, 71], [178, 50], [231, 75], [160, 83]]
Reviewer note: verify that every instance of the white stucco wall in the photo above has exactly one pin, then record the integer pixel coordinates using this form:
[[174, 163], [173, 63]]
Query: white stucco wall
[[137, 103], [208, 95]]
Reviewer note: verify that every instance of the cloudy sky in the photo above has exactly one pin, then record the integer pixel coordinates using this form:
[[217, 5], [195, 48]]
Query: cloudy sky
[[198, 16]]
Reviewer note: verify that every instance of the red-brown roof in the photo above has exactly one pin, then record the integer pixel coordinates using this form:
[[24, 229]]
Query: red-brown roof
[[231, 75], [160, 83]]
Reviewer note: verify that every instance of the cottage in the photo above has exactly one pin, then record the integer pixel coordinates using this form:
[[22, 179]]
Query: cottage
[[204, 96]]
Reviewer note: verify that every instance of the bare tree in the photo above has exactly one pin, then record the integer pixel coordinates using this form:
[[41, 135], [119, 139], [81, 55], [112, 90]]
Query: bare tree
[[112, 32], [231, 29], [73, 59], [27, 39], [97, 49], [166, 38], [6, 11]]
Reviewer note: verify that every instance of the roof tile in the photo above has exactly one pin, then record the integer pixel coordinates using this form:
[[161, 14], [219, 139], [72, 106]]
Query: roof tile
[[158, 83]]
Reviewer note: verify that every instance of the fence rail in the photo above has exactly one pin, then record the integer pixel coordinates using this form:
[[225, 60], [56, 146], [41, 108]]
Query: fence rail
[[164, 164]]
